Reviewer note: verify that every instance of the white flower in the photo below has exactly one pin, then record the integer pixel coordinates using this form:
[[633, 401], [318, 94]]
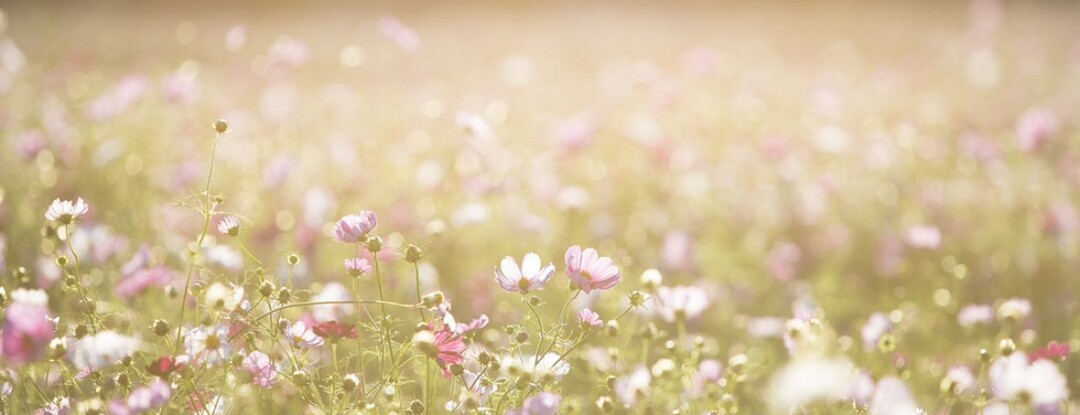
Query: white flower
[[530, 276], [1014, 308], [1041, 382], [891, 397], [98, 351], [301, 336], [66, 211], [220, 297], [548, 365], [808, 380], [628, 388], [208, 345], [673, 303], [30, 297]]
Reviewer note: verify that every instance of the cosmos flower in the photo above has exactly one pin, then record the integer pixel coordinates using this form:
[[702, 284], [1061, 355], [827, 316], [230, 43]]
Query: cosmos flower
[[973, 314], [876, 326], [93, 352], [807, 380], [530, 276], [220, 297], [261, 368], [208, 345], [164, 366], [1040, 382], [302, 337], [353, 228], [144, 279], [1014, 309], [680, 302], [1052, 351], [588, 271], [356, 266], [543, 403], [27, 328], [143, 399], [229, 225], [547, 366], [589, 318], [633, 386], [443, 345], [66, 211], [334, 331], [958, 379]]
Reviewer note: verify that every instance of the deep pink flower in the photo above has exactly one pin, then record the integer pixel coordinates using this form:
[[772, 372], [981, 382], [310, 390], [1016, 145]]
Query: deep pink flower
[[261, 368], [1052, 351], [164, 366], [27, 332], [334, 331], [353, 228], [356, 266], [590, 271], [448, 349]]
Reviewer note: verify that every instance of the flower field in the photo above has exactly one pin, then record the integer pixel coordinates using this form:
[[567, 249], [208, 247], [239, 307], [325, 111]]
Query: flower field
[[539, 208]]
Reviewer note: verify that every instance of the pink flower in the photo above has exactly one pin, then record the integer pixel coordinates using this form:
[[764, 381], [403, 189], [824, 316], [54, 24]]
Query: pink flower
[[1012, 377], [261, 368], [142, 280], [476, 324], [529, 277], [543, 403], [27, 329], [589, 318], [448, 349], [143, 399], [66, 211], [356, 266], [876, 326], [1052, 351], [1034, 127], [353, 228], [588, 271]]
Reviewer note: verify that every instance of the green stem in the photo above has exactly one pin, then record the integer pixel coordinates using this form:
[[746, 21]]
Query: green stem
[[202, 236]]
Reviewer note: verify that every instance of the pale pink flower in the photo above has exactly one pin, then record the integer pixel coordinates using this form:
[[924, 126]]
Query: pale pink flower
[[66, 211], [876, 326], [402, 35], [1034, 127], [589, 318], [924, 236], [208, 345], [961, 378], [973, 314], [1014, 309], [143, 399], [589, 271], [634, 386], [678, 251], [356, 266], [476, 324], [543, 403], [118, 99], [681, 302], [530, 276], [229, 225], [141, 280], [353, 228], [302, 337], [709, 371], [261, 368], [27, 329]]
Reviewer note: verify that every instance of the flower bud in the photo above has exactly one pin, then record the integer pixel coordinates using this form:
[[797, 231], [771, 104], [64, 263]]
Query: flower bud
[[266, 289], [433, 299], [534, 301], [521, 337], [220, 126], [293, 259], [1007, 347], [284, 295], [612, 328], [651, 279], [425, 342], [605, 404], [416, 406], [160, 327], [350, 382], [413, 254], [61, 261], [373, 244]]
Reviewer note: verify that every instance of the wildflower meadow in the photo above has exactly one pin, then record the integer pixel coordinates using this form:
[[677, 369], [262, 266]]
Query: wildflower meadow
[[533, 208]]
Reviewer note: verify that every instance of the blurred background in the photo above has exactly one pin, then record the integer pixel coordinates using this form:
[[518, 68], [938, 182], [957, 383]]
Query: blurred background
[[898, 157]]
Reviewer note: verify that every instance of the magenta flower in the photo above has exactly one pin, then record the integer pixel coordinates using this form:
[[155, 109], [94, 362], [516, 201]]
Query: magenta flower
[[589, 271], [353, 228], [261, 368], [443, 345], [529, 277], [27, 330], [66, 211], [589, 318], [356, 266]]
